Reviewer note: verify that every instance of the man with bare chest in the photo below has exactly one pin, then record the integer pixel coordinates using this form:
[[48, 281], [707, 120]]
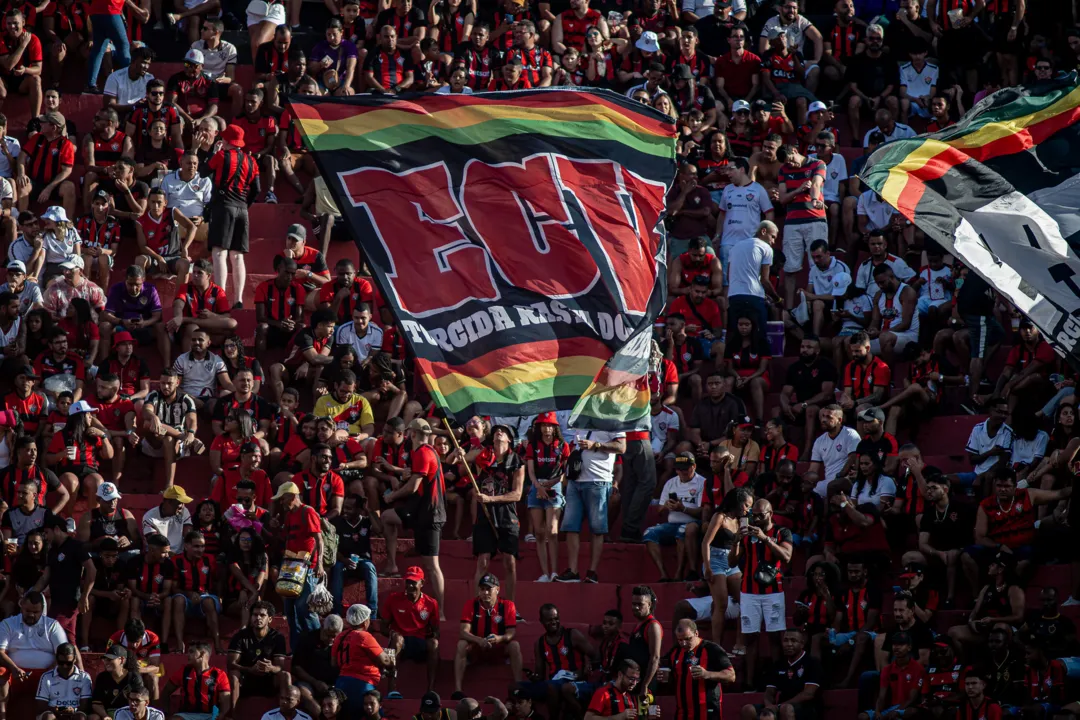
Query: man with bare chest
[[764, 167]]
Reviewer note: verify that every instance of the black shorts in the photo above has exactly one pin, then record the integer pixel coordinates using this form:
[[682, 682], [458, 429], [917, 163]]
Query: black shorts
[[143, 335], [276, 337], [259, 686], [426, 534], [228, 227], [169, 268], [485, 541]]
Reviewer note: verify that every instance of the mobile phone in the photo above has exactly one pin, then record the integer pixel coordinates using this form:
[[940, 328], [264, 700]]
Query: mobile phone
[[744, 522], [673, 497]]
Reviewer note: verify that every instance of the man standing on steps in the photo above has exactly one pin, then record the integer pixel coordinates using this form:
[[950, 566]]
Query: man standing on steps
[[639, 482], [236, 184]]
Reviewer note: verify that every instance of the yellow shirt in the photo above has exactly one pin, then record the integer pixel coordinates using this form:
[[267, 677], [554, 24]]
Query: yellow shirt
[[351, 415]]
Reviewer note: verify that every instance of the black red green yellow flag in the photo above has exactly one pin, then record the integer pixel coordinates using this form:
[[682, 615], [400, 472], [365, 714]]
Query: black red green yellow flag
[[516, 236], [1000, 189]]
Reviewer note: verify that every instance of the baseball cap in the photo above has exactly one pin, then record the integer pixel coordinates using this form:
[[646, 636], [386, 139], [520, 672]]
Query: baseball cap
[[817, 106], [81, 407], [685, 461], [28, 371], [107, 491], [759, 105], [289, 488], [122, 337], [740, 106], [489, 580], [648, 42], [101, 195], [17, 265], [116, 652], [176, 492], [871, 414], [431, 702], [413, 573], [55, 118], [298, 231], [913, 569], [775, 32], [548, 418], [194, 55], [420, 424], [73, 262], [841, 282]]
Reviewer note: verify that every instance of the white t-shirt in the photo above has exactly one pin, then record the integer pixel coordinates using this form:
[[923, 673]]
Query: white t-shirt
[[823, 282], [31, 647], [833, 453], [199, 377], [689, 494], [275, 714], [14, 148], [1029, 452], [172, 527], [59, 692], [835, 173], [918, 83], [886, 487], [745, 261], [445, 90], [597, 466], [215, 61], [124, 713], [899, 132], [796, 31], [878, 212], [126, 91], [345, 334], [30, 295], [937, 293], [663, 422], [743, 208], [865, 276], [980, 442], [860, 306]]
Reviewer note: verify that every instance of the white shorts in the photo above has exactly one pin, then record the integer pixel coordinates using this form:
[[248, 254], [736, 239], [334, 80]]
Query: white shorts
[[797, 242], [902, 340], [260, 11], [702, 606], [768, 608]]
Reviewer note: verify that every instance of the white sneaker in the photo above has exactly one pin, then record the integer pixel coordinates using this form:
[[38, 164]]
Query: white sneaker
[[544, 578], [530, 538], [1071, 602]]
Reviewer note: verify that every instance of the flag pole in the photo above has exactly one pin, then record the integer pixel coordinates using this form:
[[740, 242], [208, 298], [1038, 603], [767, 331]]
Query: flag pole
[[472, 479]]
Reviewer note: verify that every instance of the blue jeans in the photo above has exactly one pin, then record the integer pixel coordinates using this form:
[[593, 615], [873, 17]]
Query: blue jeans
[[365, 570], [354, 689], [108, 27], [299, 617], [1051, 407], [586, 498]]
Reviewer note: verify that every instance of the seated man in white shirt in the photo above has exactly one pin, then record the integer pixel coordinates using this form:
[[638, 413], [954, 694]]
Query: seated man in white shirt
[[203, 374], [64, 692], [170, 518], [28, 645], [364, 337], [138, 707], [681, 500], [189, 192], [833, 454], [288, 706], [29, 246], [828, 283]]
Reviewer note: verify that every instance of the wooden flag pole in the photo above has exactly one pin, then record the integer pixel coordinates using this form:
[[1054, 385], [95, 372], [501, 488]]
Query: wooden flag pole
[[472, 479]]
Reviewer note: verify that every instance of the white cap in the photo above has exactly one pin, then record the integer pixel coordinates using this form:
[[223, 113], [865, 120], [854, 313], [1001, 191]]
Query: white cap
[[81, 407], [55, 214], [817, 106], [17, 265], [194, 55], [740, 105], [75, 261], [648, 42], [108, 492]]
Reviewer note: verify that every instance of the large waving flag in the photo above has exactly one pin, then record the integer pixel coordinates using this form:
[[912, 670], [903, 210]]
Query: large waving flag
[[1001, 190], [517, 237]]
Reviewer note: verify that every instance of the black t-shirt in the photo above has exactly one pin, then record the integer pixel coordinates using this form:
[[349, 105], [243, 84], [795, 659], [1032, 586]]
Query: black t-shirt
[[112, 694], [253, 649], [873, 75], [808, 379], [713, 35], [790, 679], [1054, 633], [951, 530], [139, 190], [900, 39], [65, 574], [975, 297], [110, 578], [313, 658], [922, 638], [353, 539]]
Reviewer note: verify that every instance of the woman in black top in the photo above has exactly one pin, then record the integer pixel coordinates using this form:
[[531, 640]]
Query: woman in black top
[[232, 352], [26, 570], [748, 357], [724, 579], [39, 324]]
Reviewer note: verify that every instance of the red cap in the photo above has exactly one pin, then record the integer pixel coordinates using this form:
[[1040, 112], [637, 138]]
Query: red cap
[[234, 135], [547, 418], [414, 573], [122, 337]]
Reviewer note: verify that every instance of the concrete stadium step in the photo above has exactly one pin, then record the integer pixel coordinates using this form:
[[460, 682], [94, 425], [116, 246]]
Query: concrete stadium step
[[947, 435]]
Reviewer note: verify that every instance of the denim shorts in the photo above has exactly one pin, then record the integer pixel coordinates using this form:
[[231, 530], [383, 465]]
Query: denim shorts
[[665, 533], [718, 563], [558, 501], [196, 609], [586, 497]]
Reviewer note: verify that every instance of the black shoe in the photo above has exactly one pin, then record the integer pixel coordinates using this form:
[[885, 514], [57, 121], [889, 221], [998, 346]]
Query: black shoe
[[520, 620], [568, 577], [457, 695], [590, 577], [92, 90], [238, 306]]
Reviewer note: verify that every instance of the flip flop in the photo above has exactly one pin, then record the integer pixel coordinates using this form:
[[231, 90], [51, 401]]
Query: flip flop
[[385, 574]]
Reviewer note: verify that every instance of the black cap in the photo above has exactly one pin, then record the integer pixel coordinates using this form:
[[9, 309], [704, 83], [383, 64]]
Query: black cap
[[518, 693], [28, 371], [902, 638], [116, 651], [431, 702], [685, 461], [759, 105], [489, 580], [682, 72], [657, 67]]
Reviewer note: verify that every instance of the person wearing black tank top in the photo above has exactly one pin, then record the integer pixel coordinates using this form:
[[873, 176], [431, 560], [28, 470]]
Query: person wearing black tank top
[[724, 580], [1001, 601]]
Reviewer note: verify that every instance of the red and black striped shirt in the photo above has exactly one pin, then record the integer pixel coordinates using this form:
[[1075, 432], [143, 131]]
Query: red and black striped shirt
[[697, 698], [817, 609], [236, 175], [195, 575], [771, 456], [143, 116], [98, 234], [987, 710], [387, 69], [532, 62], [13, 476], [560, 655], [907, 489], [199, 691], [45, 158], [1013, 523], [800, 210], [845, 38], [150, 577], [857, 604], [610, 700], [757, 554], [484, 621], [108, 151], [280, 304]]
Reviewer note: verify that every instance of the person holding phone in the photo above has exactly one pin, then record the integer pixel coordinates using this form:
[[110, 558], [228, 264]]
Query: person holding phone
[[682, 503]]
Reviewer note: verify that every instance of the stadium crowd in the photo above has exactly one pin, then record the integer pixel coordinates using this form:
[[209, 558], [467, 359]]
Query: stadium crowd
[[918, 582]]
